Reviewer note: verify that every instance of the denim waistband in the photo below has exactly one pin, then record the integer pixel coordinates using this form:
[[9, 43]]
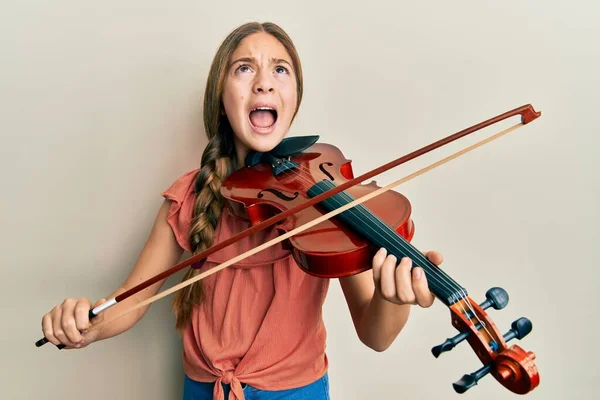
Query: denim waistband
[[318, 390]]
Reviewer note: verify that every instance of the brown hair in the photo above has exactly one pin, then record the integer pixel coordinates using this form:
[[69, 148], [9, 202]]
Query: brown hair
[[217, 158]]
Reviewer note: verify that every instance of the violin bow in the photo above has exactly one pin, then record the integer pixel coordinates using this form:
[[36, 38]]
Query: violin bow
[[527, 113]]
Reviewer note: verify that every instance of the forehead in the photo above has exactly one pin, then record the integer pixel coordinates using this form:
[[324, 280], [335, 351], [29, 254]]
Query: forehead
[[260, 45]]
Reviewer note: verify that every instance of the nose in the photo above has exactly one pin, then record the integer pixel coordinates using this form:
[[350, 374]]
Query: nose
[[263, 83]]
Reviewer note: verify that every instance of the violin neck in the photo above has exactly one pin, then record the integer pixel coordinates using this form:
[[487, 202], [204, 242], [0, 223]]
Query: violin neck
[[377, 232]]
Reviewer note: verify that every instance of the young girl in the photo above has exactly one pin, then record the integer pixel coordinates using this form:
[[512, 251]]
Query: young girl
[[255, 327]]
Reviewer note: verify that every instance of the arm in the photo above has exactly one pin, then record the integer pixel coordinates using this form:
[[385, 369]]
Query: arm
[[379, 299], [65, 321]]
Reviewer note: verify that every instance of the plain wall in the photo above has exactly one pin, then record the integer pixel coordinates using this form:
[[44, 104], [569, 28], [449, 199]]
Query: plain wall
[[101, 107]]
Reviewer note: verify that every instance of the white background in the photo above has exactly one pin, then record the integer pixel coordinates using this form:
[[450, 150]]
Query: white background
[[100, 106]]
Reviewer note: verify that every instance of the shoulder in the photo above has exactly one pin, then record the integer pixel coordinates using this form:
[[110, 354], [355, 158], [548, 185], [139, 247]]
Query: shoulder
[[182, 195], [181, 186]]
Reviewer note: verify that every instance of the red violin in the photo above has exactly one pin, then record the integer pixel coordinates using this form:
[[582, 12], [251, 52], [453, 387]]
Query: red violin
[[333, 225]]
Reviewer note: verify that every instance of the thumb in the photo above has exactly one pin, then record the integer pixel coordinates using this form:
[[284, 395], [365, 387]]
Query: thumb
[[100, 316], [102, 300], [92, 332]]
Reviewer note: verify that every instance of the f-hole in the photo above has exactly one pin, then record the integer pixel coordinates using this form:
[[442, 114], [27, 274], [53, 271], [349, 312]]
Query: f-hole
[[324, 171], [277, 193]]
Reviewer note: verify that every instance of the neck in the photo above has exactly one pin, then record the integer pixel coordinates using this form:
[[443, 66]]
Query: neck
[[241, 151], [380, 235]]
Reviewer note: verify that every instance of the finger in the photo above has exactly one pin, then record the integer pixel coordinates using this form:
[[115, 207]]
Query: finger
[[57, 326], [423, 296], [377, 261], [68, 322], [82, 321], [48, 331], [388, 283], [403, 282], [435, 257]]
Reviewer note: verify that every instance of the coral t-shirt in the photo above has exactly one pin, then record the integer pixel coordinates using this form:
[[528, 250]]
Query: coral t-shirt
[[261, 320]]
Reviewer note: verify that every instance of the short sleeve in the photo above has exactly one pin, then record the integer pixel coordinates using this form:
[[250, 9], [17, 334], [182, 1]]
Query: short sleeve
[[182, 194]]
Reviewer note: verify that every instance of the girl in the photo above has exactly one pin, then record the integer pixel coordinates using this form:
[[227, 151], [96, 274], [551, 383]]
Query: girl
[[255, 327]]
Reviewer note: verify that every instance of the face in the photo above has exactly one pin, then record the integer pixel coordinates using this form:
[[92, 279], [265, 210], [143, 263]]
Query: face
[[259, 94]]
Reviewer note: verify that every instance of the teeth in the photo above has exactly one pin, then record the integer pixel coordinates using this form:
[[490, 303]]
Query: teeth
[[264, 108]]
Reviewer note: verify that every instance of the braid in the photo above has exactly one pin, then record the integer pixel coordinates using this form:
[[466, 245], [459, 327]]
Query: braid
[[207, 212]]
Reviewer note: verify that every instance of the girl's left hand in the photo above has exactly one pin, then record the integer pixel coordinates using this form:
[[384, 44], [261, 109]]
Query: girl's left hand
[[395, 283]]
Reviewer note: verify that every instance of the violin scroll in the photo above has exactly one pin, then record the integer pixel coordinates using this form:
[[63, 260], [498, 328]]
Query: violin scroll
[[514, 369], [512, 366]]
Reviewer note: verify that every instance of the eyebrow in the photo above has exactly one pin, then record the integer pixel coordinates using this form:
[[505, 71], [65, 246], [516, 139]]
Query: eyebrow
[[253, 60]]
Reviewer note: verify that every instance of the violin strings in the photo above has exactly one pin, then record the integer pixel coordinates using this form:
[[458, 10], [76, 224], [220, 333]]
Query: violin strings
[[388, 237], [436, 275], [477, 317], [456, 291], [394, 238], [465, 313]]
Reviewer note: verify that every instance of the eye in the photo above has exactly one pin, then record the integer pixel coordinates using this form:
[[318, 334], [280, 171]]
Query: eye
[[243, 68], [281, 69]]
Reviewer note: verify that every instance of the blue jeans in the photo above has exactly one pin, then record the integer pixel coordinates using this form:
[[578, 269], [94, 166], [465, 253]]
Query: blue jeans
[[318, 390]]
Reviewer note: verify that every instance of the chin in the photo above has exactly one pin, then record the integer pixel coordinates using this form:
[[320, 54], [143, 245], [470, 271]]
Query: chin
[[265, 143]]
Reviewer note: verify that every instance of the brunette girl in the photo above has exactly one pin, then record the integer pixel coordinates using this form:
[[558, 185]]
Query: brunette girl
[[255, 327]]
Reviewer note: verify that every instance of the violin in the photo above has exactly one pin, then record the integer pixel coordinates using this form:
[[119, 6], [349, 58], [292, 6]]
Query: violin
[[333, 225]]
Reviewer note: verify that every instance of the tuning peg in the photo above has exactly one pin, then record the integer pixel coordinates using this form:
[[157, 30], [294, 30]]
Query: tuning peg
[[470, 380], [450, 343], [496, 298], [519, 329]]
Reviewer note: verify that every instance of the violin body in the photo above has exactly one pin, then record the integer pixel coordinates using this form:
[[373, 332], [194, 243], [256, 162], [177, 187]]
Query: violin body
[[329, 249]]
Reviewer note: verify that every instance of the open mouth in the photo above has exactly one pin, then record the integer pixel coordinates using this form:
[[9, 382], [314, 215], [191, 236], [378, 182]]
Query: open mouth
[[263, 117]]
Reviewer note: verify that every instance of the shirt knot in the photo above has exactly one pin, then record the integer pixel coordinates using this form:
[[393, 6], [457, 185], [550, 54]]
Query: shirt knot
[[227, 377], [236, 392]]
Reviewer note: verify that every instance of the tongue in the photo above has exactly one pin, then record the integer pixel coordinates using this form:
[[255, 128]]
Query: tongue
[[262, 119]]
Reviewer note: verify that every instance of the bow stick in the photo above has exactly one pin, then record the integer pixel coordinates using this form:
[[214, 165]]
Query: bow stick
[[527, 113]]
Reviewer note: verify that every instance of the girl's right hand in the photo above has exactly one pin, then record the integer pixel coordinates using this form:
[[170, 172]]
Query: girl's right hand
[[68, 322]]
